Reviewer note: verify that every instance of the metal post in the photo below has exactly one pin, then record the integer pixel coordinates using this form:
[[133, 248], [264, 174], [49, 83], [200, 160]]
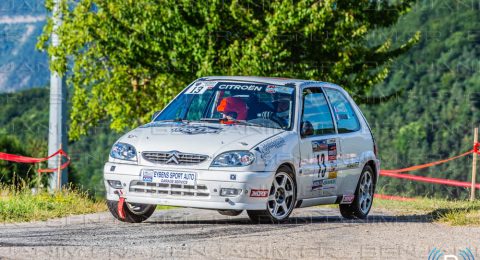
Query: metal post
[[474, 166], [39, 176], [57, 123], [59, 171]]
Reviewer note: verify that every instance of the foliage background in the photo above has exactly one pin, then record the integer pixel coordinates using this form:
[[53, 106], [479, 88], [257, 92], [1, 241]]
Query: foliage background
[[435, 104], [128, 57], [434, 117]]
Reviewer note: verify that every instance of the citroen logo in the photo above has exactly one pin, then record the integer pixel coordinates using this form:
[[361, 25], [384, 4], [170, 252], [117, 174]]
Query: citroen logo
[[172, 157]]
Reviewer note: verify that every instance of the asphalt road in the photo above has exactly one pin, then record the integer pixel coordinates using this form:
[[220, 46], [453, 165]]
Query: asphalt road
[[313, 233]]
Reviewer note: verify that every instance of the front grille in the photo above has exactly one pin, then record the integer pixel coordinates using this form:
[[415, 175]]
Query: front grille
[[169, 189], [174, 157]]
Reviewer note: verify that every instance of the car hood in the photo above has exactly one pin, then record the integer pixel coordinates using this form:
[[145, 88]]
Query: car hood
[[198, 138]]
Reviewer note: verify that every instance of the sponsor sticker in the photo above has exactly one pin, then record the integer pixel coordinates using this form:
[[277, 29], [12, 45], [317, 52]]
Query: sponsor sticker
[[347, 199], [319, 146], [266, 149], [147, 177], [196, 129], [284, 90], [317, 185], [329, 184], [240, 86], [211, 84], [324, 184], [332, 175], [270, 89], [332, 150], [259, 193], [169, 177]]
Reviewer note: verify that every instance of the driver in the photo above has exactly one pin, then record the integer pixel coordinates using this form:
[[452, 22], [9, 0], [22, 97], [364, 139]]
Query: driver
[[282, 111], [233, 108]]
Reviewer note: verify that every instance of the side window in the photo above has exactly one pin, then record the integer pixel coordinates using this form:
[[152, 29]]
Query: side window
[[345, 116], [316, 113]]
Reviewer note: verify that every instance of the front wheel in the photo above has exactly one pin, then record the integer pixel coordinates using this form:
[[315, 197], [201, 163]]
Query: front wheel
[[363, 201], [281, 199], [134, 212]]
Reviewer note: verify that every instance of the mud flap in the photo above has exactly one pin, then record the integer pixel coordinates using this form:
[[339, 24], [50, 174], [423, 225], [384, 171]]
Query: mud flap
[[120, 207]]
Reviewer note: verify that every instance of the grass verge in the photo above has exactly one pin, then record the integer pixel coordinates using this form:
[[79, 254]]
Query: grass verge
[[22, 205], [456, 213]]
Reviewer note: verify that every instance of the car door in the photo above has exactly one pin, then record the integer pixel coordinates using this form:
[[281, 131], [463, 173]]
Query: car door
[[318, 146], [352, 141]]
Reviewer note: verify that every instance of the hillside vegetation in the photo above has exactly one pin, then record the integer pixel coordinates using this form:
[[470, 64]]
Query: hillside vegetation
[[432, 118], [435, 115], [24, 130]]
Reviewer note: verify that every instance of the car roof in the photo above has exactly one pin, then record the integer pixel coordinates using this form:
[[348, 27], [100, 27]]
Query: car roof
[[268, 80]]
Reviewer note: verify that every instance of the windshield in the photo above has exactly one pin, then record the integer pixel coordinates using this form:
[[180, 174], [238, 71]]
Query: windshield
[[257, 104]]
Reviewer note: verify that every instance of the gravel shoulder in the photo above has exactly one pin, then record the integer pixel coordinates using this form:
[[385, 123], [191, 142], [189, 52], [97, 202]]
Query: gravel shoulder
[[311, 233]]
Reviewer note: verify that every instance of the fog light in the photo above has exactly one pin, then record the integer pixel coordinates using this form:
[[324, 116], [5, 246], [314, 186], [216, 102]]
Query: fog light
[[115, 184], [229, 192]]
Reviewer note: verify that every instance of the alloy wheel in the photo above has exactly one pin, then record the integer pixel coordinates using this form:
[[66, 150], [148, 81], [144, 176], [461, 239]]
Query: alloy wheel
[[281, 196], [366, 192]]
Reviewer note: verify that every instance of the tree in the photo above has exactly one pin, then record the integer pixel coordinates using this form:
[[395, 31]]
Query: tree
[[128, 58], [13, 173]]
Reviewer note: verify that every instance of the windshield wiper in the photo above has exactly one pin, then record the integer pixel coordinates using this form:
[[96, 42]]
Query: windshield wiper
[[174, 120], [218, 120], [247, 123], [206, 119]]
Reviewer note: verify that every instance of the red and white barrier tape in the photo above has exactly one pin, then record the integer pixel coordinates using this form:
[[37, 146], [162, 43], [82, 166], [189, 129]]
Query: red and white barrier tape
[[429, 179], [426, 165], [24, 159], [399, 173]]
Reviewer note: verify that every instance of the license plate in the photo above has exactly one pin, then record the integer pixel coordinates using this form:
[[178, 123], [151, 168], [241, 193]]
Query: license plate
[[169, 177]]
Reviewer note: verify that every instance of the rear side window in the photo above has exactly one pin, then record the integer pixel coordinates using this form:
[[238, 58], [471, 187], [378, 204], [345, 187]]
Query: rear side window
[[316, 112], [345, 116]]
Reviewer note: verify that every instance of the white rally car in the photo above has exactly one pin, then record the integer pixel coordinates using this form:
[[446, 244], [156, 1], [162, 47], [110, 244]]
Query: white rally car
[[264, 145]]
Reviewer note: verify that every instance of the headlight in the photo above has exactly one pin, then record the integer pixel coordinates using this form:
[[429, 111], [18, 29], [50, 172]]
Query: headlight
[[233, 159], [123, 151]]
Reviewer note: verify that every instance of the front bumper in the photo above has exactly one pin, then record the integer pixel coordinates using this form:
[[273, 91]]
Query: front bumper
[[205, 194]]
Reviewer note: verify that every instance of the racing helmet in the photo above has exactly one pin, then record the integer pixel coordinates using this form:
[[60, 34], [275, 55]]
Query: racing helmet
[[233, 106]]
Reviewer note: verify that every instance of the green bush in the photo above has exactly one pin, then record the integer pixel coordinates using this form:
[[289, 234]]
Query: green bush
[[10, 172]]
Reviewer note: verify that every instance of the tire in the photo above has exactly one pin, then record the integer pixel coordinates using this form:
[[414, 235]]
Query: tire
[[281, 199], [361, 205], [134, 213]]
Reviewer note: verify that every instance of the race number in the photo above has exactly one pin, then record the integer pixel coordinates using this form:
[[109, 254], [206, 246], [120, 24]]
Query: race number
[[197, 89]]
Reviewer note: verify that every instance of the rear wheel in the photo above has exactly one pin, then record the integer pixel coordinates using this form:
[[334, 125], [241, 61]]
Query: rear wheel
[[281, 199], [363, 201], [134, 212]]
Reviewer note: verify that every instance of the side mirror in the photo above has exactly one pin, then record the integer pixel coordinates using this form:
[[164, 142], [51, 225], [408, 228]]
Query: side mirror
[[155, 115], [306, 129]]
